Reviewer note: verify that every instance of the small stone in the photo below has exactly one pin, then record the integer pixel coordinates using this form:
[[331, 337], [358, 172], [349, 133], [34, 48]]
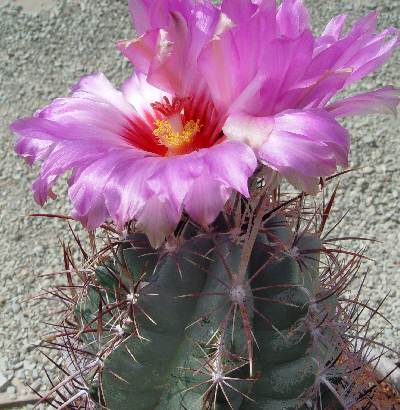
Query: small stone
[[36, 385], [16, 307], [11, 390], [20, 374], [29, 365], [4, 382], [16, 365]]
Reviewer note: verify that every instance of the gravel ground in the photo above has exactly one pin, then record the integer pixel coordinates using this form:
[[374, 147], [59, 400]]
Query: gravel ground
[[42, 54]]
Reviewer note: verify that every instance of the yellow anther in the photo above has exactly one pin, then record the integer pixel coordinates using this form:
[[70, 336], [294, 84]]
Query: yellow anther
[[173, 139]]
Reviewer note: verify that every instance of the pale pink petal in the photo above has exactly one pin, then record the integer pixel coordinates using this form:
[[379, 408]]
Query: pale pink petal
[[98, 88], [383, 100], [88, 186], [140, 94], [339, 52], [220, 63], [231, 163], [301, 182], [33, 150], [126, 191], [174, 177], [167, 70], [228, 165], [141, 51], [206, 199], [248, 129], [298, 144], [373, 55], [335, 27], [61, 159], [319, 127], [158, 219]]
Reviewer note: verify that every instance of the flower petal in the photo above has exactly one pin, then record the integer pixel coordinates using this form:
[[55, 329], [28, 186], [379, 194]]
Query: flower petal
[[332, 32], [141, 51], [206, 199], [229, 63], [231, 163], [140, 94], [298, 144], [383, 100], [292, 18], [175, 33], [361, 50], [158, 220]]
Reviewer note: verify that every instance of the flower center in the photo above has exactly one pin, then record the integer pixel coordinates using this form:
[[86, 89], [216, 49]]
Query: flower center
[[174, 132]]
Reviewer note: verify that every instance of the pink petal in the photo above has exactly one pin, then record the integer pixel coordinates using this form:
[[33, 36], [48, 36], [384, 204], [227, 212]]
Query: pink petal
[[284, 62], [206, 199], [61, 159], [140, 94], [229, 62], [174, 177], [71, 133], [315, 94], [335, 27], [292, 18], [239, 10], [126, 191], [339, 52], [219, 63], [98, 88], [228, 165], [141, 51], [88, 186], [166, 70], [231, 163], [33, 150], [298, 144], [361, 50], [140, 12], [383, 100], [333, 32], [158, 220], [176, 31], [248, 129], [374, 54]]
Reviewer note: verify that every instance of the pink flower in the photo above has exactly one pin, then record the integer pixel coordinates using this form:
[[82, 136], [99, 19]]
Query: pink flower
[[266, 70], [214, 90], [140, 154]]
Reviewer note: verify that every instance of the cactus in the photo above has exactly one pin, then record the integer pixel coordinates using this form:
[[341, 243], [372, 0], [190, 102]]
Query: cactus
[[248, 315], [221, 320]]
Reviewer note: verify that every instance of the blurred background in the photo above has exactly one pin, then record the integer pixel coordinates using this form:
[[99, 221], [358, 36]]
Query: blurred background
[[45, 46]]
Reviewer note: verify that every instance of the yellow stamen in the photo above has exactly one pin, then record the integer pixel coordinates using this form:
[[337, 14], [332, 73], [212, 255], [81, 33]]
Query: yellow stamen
[[171, 137]]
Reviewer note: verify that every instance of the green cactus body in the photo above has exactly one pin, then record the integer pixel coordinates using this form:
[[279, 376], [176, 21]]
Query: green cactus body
[[192, 333]]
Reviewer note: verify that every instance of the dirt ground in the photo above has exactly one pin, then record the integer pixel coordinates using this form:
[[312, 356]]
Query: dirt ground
[[31, 6]]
